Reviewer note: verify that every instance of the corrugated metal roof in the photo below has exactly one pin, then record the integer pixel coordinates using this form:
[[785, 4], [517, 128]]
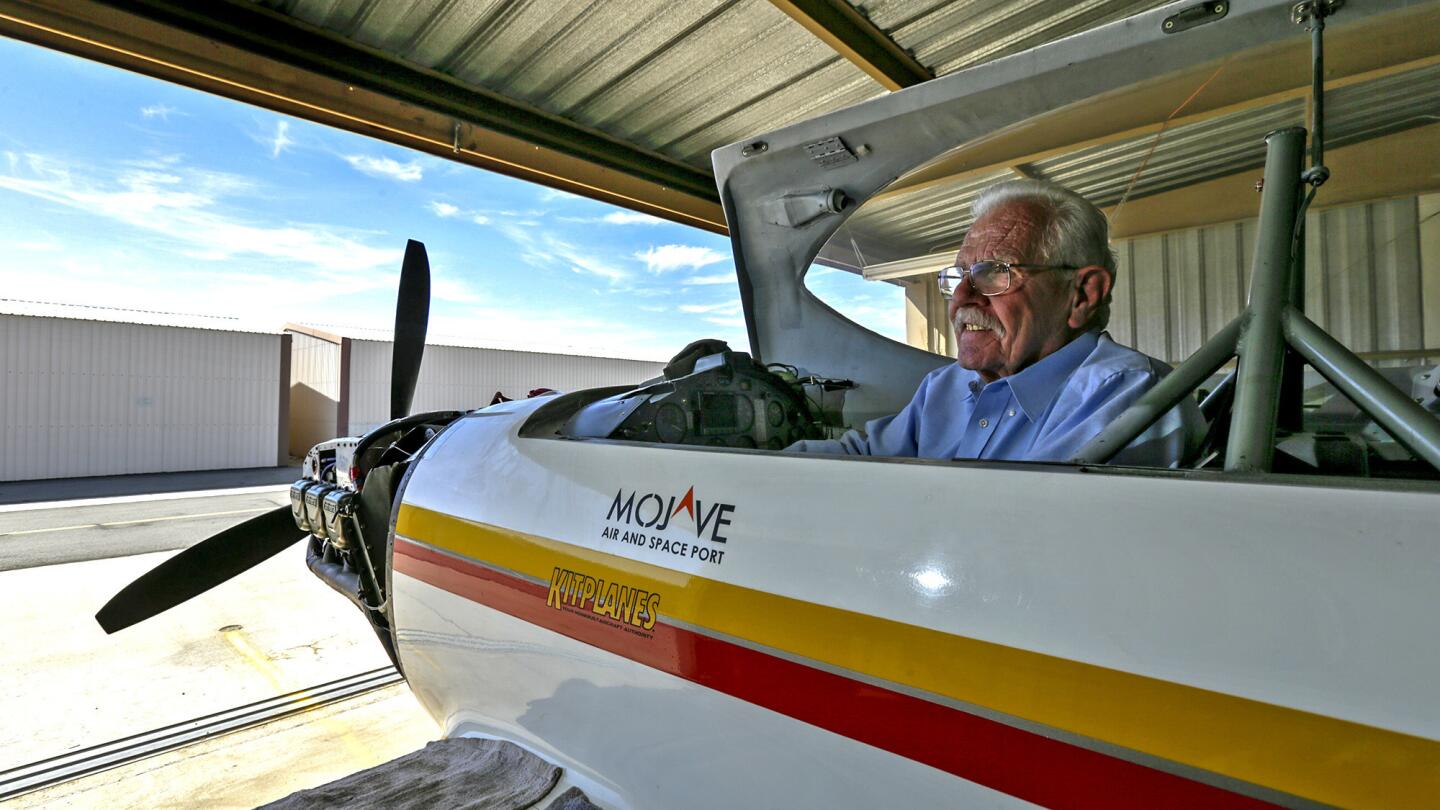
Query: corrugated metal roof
[[1232, 143], [933, 218], [1380, 107], [683, 77], [946, 35], [1185, 154], [888, 229], [679, 78]]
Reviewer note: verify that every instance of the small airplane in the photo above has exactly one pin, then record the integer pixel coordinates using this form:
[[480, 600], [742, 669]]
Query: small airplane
[[635, 585]]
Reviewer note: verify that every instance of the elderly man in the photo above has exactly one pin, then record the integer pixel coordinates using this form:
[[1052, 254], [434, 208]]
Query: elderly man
[[1036, 377]]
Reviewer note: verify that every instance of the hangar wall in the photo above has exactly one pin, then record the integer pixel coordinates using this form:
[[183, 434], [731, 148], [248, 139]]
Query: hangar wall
[[1367, 280], [89, 397], [462, 378], [344, 382], [1372, 280], [314, 392]]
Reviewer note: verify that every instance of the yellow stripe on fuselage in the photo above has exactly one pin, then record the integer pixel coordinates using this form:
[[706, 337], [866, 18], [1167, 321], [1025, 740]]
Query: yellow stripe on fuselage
[[1301, 753]]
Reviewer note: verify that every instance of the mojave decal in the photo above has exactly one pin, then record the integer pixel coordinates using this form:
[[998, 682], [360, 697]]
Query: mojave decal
[[678, 526]]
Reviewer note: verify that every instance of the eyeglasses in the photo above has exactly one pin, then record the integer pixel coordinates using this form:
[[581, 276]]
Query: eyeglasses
[[990, 277]]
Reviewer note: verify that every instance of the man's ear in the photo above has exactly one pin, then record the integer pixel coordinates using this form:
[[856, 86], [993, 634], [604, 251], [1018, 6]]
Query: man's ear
[[1092, 285]]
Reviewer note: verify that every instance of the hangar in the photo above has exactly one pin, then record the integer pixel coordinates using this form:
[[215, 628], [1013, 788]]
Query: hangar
[[623, 102], [90, 391], [1422, 175]]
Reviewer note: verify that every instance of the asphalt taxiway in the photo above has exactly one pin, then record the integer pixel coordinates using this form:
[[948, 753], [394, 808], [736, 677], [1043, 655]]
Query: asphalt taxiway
[[106, 528]]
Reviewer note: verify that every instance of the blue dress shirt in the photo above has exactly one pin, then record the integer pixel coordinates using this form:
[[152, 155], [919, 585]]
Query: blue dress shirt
[[1046, 412]]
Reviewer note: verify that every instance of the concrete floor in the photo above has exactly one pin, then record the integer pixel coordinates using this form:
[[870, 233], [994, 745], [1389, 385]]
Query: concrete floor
[[251, 767], [272, 630]]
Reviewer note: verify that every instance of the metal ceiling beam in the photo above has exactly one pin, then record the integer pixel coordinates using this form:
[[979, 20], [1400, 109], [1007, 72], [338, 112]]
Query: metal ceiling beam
[[249, 53], [839, 25], [253, 28]]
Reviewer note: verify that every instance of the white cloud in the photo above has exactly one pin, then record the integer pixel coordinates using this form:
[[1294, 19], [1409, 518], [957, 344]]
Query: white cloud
[[581, 263], [552, 194], [454, 290], [725, 308], [736, 322], [543, 249], [631, 218], [46, 245], [878, 307], [446, 210], [386, 168], [281, 140], [160, 111], [673, 257], [443, 209], [185, 205], [718, 278]]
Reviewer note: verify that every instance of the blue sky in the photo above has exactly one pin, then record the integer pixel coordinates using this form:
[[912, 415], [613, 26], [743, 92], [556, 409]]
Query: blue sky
[[124, 191]]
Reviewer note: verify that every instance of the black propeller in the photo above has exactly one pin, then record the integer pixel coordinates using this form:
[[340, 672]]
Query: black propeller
[[412, 312], [241, 547], [199, 568]]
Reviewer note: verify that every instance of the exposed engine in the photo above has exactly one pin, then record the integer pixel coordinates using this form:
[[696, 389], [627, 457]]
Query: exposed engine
[[345, 502]]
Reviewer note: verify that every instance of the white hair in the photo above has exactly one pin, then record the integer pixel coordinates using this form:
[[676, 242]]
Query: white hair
[[1076, 232]]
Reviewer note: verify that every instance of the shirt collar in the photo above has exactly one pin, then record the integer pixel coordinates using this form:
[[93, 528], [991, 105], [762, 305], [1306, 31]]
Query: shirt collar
[[1035, 387]]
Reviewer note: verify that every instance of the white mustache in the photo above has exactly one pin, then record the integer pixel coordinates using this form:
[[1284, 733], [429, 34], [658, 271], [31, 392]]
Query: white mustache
[[978, 318]]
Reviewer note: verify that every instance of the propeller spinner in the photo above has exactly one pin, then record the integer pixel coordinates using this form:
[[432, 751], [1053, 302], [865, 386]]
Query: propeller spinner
[[239, 548]]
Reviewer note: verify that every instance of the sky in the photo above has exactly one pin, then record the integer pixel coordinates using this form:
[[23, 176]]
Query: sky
[[123, 191]]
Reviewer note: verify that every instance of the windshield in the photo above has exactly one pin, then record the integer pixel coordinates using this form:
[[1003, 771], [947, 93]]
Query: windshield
[[1180, 197]]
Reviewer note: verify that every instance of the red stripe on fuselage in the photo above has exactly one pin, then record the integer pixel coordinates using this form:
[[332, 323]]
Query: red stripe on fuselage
[[1012, 760]]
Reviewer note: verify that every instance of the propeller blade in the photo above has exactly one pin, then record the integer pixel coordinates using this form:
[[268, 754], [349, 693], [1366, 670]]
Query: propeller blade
[[199, 568], [412, 312]]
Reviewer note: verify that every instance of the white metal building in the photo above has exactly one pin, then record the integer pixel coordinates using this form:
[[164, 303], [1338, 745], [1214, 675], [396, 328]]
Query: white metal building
[[89, 391], [340, 382]]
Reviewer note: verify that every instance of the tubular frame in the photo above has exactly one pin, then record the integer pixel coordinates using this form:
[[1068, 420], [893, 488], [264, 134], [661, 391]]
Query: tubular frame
[[1261, 348]]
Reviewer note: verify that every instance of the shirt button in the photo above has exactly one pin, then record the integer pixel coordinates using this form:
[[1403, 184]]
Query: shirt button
[[984, 423], [1010, 412]]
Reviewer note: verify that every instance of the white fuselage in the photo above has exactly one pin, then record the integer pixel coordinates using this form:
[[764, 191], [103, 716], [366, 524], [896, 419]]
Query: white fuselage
[[877, 632]]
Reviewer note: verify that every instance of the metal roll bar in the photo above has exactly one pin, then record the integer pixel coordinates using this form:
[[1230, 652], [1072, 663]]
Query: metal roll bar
[[1274, 322]]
